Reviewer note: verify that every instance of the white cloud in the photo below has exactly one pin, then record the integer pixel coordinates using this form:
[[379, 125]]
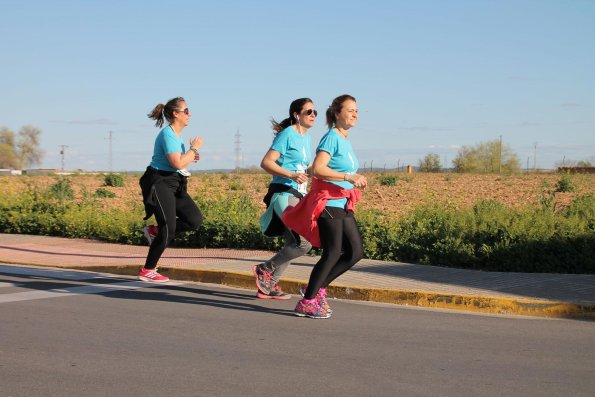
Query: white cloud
[[85, 122]]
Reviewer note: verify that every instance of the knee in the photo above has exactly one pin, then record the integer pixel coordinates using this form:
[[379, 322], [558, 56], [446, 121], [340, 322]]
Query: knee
[[357, 254], [195, 222], [331, 254], [304, 246]]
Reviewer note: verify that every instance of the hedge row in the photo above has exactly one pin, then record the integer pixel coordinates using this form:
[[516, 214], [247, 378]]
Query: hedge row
[[488, 236]]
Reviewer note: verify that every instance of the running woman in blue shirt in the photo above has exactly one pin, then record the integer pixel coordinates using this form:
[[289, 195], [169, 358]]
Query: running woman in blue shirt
[[164, 184], [287, 160], [340, 238]]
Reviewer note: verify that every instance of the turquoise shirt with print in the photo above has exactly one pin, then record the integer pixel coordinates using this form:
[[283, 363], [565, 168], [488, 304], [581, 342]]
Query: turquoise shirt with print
[[167, 142], [342, 160], [296, 153]]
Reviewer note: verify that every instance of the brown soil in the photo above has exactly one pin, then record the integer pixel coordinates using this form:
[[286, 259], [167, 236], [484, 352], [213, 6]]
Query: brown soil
[[455, 190]]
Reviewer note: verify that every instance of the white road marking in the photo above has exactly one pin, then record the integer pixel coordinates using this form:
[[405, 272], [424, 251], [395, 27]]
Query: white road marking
[[67, 291]]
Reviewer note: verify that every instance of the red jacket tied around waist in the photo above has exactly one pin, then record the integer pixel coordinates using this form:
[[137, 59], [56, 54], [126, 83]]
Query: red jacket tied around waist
[[303, 218]]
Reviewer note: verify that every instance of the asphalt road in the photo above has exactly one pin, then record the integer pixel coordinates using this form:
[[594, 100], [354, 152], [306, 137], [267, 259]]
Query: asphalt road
[[66, 333]]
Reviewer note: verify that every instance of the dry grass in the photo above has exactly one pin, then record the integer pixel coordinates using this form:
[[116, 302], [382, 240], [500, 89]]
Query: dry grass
[[455, 190]]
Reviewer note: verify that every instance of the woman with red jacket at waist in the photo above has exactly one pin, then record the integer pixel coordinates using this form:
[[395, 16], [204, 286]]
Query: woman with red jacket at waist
[[329, 208]]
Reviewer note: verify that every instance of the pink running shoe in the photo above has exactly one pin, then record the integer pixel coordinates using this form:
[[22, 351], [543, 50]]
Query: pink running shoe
[[310, 308], [151, 275], [320, 297], [150, 233]]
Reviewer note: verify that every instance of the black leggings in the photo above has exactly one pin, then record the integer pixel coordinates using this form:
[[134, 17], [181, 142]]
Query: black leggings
[[175, 213], [341, 248]]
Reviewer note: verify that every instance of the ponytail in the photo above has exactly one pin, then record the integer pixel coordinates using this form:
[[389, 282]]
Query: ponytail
[[295, 107], [280, 126], [157, 114], [163, 112]]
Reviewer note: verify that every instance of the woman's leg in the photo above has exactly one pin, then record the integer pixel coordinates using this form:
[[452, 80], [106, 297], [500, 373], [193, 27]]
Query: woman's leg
[[331, 238], [165, 214], [189, 216], [353, 250], [295, 246]]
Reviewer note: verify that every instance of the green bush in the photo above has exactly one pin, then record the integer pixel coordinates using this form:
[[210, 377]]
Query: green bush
[[387, 180], [101, 193], [61, 190], [114, 180], [488, 236], [565, 184]]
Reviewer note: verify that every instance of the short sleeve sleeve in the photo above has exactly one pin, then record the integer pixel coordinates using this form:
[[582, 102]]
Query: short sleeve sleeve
[[281, 143], [171, 143], [328, 144]]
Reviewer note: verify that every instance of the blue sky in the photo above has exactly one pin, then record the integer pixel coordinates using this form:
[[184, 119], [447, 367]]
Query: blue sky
[[429, 76]]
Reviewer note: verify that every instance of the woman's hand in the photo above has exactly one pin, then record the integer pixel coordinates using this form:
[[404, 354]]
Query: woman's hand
[[357, 180], [196, 142], [299, 177]]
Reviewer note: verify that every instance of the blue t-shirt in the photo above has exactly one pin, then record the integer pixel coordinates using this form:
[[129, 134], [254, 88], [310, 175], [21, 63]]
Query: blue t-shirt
[[167, 142], [342, 160], [296, 153]]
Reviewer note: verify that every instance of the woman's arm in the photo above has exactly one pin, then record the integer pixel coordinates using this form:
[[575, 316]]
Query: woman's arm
[[269, 164], [180, 161], [320, 169]]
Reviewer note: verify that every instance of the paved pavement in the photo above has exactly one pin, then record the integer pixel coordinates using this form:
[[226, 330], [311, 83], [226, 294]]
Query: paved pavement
[[534, 294]]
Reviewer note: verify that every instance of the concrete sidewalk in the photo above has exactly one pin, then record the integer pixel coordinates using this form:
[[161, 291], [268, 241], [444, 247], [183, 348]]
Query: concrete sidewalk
[[535, 294]]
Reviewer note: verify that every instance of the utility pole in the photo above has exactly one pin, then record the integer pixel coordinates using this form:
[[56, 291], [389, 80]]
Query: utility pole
[[535, 157], [500, 157], [110, 152], [238, 150], [62, 152]]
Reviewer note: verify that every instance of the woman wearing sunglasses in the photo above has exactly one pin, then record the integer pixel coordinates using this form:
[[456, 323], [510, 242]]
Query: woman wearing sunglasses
[[325, 216], [287, 160], [164, 184]]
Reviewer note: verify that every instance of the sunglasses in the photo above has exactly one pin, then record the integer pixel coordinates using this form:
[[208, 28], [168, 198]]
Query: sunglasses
[[185, 111], [310, 111]]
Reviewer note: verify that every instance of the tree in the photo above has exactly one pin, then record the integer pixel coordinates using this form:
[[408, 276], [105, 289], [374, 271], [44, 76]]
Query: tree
[[22, 153], [486, 157], [430, 163], [8, 158], [28, 151], [572, 163]]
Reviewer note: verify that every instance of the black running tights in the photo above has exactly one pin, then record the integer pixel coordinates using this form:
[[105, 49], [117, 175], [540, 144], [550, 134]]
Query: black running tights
[[175, 213], [341, 248]]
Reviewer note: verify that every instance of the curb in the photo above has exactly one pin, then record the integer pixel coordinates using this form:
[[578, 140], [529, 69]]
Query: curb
[[482, 304]]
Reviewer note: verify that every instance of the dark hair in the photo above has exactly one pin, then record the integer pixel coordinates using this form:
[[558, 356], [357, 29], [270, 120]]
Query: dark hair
[[336, 106], [295, 107], [161, 111]]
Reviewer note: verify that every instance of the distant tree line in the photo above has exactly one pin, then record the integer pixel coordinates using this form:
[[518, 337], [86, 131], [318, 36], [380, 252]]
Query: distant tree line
[[572, 163], [488, 157], [484, 157], [18, 151]]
